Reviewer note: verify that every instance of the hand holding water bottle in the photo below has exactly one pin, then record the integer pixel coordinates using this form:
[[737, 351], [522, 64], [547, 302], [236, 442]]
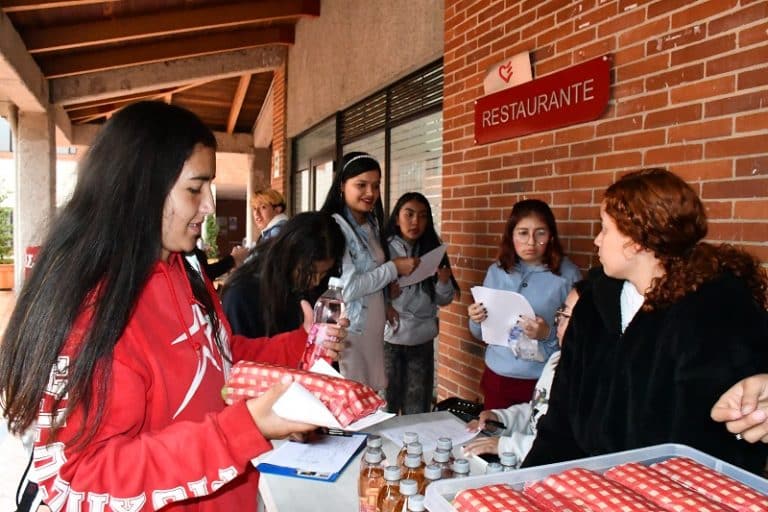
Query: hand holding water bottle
[[327, 326]]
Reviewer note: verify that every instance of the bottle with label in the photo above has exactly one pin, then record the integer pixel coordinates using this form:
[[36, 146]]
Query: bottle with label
[[414, 468], [432, 473], [442, 458], [370, 481], [460, 468], [373, 442], [508, 461], [408, 488], [493, 467], [416, 503], [408, 438], [389, 494], [328, 309]]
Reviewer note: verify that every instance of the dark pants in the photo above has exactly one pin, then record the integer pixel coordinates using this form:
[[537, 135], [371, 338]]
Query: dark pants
[[410, 377], [500, 392]]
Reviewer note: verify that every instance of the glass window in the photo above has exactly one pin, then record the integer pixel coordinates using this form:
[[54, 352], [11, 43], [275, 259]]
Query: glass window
[[323, 180], [416, 161], [5, 135], [314, 155], [301, 191]]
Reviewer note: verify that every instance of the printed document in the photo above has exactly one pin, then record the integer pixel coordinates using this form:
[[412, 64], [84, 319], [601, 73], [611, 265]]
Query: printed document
[[504, 310], [428, 264]]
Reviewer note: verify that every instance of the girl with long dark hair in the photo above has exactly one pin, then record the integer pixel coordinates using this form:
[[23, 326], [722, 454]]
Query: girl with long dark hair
[[262, 296], [117, 349]]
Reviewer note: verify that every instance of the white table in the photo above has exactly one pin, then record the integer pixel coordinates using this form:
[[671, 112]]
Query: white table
[[286, 494]]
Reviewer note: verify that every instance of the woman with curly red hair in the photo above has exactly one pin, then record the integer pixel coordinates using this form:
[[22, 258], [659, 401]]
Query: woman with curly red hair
[[668, 324]]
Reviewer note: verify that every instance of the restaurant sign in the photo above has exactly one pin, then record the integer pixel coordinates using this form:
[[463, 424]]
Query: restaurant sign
[[574, 95]]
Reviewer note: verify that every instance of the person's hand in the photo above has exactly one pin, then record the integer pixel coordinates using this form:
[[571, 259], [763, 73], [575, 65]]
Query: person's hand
[[482, 445], [405, 265], [239, 253], [270, 424], [393, 318], [444, 274], [535, 328], [334, 336], [744, 408], [394, 290], [480, 423], [477, 312]]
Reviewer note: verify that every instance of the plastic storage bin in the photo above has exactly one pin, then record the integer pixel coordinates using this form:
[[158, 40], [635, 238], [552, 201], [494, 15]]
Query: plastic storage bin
[[440, 494]]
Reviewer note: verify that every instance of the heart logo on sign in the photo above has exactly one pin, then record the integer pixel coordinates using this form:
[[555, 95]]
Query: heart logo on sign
[[505, 71]]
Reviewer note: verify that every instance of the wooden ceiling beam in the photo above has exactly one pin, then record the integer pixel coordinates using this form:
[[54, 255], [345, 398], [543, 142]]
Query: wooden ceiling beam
[[55, 66], [38, 5], [110, 101], [179, 21], [237, 102]]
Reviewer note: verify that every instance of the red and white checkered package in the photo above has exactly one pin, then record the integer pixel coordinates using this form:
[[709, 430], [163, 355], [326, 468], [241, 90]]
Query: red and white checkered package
[[493, 498], [347, 400], [552, 501], [599, 493], [661, 489], [712, 484]]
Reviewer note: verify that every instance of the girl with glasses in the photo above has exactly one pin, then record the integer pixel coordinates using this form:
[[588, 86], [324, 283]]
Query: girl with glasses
[[530, 262]]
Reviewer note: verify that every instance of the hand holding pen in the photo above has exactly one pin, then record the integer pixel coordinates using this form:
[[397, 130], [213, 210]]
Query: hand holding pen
[[488, 421]]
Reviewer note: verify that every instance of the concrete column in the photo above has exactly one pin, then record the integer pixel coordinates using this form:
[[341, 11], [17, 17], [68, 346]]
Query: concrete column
[[35, 183]]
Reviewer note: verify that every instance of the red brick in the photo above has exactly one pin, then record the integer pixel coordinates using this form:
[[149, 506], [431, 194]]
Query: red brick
[[648, 102], [738, 18], [594, 17], [735, 61], [675, 77], [534, 171], [553, 153], [577, 39], [738, 232], [648, 138], [739, 146], [573, 10], [706, 89], [574, 165], [573, 197], [505, 42], [518, 20], [538, 140], [677, 39], [518, 159], [734, 104], [508, 146], [752, 166], [665, 6], [701, 10], [625, 55], [753, 122], [753, 35], [544, 8], [592, 147], [554, 64], [718, 210], [604, 46], [732, 189], [704, 50], [626, 90], [538, 27], [644, 32], [702, 171], [703, 130], [552, 183], [543, 52], [555, 34], [753, 78], [619, 160], [750, 210], [585, 212], [672, 116], [578, 133], [623, 124], [643, 67], [517, 187], [490, 12], [490, 36], [681, 153], [592, 180]]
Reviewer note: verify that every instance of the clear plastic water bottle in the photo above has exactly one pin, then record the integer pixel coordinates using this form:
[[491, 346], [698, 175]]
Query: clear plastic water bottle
[[460, 468], [493, 467], [508, 461], [329, 308]]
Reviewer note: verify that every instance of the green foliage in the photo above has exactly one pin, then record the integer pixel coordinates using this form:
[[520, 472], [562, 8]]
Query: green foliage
[[6, 232], [210, 235]]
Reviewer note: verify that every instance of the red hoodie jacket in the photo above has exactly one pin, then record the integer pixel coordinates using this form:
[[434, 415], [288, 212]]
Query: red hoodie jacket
[[166, 436]]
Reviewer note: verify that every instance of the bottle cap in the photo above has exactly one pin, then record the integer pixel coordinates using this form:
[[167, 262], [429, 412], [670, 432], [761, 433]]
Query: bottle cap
[[335, 282], [416, 503], [445, 443], [493, 467], [412, 460], [441, 456], [414, 447], [433, 472], [508, 459], [373, 456], [410, 437], [461, 466], [409, 487], [392, 473], [373, 441]]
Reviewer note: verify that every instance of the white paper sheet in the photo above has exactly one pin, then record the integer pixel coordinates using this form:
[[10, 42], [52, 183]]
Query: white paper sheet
[[324, 455], [298, 404], [430, 431], [428, 264], [504, 310]]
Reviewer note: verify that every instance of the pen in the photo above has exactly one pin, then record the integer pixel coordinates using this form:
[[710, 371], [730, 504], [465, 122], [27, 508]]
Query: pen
[[335, 432], [492, 422]]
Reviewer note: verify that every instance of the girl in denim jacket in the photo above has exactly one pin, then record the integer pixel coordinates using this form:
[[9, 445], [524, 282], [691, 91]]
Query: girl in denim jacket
[[354, 200]]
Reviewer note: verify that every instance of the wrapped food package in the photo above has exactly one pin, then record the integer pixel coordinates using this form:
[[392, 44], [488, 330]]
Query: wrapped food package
[[712, 484], [553, 501], [346, 399], [493, 498], [661, 489]]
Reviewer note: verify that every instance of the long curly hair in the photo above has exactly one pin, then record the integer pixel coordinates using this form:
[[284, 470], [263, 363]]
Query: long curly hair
[[662, 213], [553, 255]]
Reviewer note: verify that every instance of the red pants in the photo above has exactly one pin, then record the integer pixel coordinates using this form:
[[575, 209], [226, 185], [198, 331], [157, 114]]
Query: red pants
[[500, 392]]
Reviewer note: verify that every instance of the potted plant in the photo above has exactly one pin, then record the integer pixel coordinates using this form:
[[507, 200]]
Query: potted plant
[[6, 246], [210, 236]]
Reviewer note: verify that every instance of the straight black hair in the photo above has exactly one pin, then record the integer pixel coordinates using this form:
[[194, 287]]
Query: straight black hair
[[98, 256]]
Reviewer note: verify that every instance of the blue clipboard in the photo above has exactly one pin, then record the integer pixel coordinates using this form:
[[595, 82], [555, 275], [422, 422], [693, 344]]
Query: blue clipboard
[[302, 460]]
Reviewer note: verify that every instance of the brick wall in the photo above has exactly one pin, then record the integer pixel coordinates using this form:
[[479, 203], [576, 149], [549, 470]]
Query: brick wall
[[279, 133], [689, 92]]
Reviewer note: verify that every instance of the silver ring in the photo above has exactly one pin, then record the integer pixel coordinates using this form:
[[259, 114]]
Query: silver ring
[[739, 437]]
